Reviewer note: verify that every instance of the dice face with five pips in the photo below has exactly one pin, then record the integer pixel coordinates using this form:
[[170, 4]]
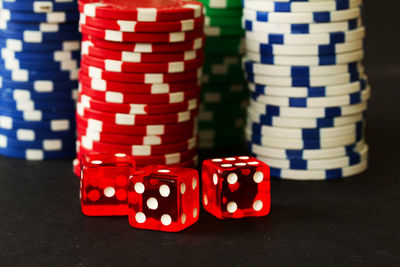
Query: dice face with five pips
[[236, 187], [104, 184], [164, 198]]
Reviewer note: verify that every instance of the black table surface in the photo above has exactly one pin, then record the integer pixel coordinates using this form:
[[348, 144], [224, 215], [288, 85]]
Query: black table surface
[[353, 221]]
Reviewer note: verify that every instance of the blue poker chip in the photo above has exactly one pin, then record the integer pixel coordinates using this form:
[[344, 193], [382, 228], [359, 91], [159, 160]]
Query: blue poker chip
[[317, 91], [38, 36], [36, 115], [39, 65], [353, 158], [23, 134], [304, 102], [301, 5], [304, 81], [324, 60], [301, 28], [301, 17], [307, 175], [41, 56], [309, 133], [32, 76], [9, 94], [38, 154], [40, 6], [38, 105], [49, 125], [41, 86], [328, 112], [252, 67], [43, 27], [54, 17], [305, 154], [20, 46], [316, 143], [51, 144], [324, 122], [304, 50]]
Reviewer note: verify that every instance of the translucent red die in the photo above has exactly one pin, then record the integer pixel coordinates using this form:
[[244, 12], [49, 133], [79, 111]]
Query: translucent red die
[[104, 184], [236, 187], [164, 198]]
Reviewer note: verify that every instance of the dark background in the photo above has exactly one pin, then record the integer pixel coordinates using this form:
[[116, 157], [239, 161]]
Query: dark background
[[354, 221]]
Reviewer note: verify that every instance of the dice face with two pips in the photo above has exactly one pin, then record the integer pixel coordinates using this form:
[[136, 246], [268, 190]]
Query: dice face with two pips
[[104, 184], [236, 187], [164, 198]]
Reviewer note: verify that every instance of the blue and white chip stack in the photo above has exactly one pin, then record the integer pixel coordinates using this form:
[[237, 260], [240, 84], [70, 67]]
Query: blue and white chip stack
[[40, 51], [306, 117]]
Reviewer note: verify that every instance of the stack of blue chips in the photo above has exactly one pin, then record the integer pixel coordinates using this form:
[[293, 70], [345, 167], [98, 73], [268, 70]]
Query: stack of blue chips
[[40, 51], [309, 91]]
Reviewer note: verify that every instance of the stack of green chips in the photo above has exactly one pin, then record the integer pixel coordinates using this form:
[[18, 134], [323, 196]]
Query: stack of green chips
[[224, 93]]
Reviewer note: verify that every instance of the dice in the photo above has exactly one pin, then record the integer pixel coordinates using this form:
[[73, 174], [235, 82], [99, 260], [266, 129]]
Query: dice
[[163, 198], [236, 187], [105, 183]]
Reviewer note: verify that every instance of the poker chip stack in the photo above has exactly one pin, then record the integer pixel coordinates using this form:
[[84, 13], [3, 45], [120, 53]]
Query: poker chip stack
[[40, 46], [140, 79], [309, 92], [224, 94]]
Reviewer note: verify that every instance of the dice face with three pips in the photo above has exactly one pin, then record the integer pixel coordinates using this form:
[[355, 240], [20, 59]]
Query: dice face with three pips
[[164, 198], [236, 187], [104, 184]]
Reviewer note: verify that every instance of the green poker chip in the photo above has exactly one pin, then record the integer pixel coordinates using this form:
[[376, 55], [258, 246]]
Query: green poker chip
[[212, 101], [228, 13], [222, 141], [231, 88], [213, 134], [218, 60], [234, 22], [234, 128], [229, 125], [224, 31], [224, 46], [222, 4], [222, 114], [217, 80], [222, 69]]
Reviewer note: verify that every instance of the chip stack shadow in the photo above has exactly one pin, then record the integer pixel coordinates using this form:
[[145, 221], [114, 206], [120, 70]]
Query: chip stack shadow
[[40, 45], [224, 94], [309, 91], [140, 80]]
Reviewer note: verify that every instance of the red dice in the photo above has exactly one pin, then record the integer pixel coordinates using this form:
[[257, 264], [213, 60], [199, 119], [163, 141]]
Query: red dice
[[236, 187], [104, 184], [164, 198]]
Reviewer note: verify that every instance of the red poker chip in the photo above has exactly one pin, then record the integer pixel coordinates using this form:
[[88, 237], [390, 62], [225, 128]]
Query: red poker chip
[[147, 47], [142, 10], [124, 139], [132, 119], [161, 67], [134, 57], [137, 150], [141, 37], [186, 164], [146, 130], [139, 109], [126, 98], [167, 159], [146, 78], [136, 88], [137, 26]]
